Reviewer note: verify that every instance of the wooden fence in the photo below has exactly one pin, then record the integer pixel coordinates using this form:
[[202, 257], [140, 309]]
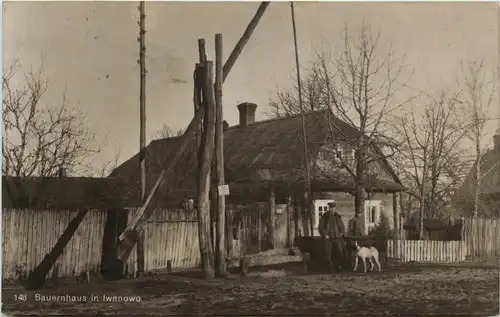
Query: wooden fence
[[482, 236], [427, 250], [170, 235], [28, 235]]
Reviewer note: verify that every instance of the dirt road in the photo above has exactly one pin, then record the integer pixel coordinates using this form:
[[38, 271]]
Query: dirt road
[[422, 290]]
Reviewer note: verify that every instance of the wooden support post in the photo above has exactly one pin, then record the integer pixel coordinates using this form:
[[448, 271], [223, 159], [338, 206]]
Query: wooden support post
[[271, 219], [259, 227], [306, 258], [297, 216], [213, 206], [473, 237], [219, 158], [229, 231], [36, 279], [396, 214], [289, 219], [207, 147], [305, 215], [244, 267]]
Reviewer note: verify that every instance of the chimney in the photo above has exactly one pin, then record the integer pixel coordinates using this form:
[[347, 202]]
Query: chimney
[[225, 125], [62, 172], [247, 113]]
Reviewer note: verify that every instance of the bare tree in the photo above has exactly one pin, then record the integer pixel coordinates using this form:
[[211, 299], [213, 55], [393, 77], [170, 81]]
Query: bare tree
[[477, 97], [167, 132], [38, 139], [360, 87], [432, 162], [104, 168]]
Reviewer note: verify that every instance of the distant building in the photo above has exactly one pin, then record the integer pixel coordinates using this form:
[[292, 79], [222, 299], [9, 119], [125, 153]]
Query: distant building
[[489, 202]]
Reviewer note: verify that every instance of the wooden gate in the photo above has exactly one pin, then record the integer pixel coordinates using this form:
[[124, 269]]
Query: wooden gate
[[253, 231]]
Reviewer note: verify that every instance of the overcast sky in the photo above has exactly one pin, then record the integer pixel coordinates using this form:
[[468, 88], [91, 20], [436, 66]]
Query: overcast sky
[[91, 49]]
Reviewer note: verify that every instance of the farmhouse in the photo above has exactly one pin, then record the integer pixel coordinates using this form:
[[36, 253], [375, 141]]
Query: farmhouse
[[489, 199], [265, 159]]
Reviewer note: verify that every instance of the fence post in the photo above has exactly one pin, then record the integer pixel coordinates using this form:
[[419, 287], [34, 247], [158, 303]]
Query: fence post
[[473, 237]]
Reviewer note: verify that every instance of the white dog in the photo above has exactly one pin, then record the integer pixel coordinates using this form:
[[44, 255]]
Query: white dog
[[366, 253]]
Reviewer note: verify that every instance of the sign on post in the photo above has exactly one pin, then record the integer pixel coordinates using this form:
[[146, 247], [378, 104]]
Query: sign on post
[[223, 190]]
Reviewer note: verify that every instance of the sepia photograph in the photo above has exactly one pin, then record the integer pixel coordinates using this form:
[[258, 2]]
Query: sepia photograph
[[303, 158]]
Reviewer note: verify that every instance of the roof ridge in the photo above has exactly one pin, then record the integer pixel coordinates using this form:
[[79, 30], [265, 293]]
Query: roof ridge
[[236, 126], [280, 118]]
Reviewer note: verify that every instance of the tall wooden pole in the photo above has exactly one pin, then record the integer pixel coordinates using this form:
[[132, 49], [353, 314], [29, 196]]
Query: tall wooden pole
[[220, 263], [142, 141], [206, 150], [304, 133]]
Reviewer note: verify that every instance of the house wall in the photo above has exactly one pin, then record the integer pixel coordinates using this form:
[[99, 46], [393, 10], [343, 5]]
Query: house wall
[[345, 205], [29, 235]]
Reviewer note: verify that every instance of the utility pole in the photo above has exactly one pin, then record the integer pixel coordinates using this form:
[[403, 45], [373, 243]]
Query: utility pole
[[142, 141], [220, 251], [304, 133]]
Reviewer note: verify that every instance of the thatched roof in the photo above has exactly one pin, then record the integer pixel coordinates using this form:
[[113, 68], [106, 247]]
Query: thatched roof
[[270, 150]]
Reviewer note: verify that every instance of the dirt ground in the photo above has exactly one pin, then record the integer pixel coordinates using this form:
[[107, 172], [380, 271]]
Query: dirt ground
[[404, 289]]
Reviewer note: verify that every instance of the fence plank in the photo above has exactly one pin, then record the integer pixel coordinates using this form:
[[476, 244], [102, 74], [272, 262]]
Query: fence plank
[[428, 251], [481, 236]]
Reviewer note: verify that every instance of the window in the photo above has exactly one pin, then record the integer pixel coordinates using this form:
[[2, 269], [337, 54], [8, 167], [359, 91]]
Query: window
[[373, 209], [320, 208], [338, 152], [373, 214]]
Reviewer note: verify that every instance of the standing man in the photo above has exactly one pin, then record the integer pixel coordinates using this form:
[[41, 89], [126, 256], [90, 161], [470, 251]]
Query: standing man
[[327, 244], [335, 232], [356, 229], [356, 225]]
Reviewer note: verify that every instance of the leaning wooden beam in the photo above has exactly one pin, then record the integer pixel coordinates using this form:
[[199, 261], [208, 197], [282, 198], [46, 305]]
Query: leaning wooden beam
[[129, 236], [36, 279], [244, 39]]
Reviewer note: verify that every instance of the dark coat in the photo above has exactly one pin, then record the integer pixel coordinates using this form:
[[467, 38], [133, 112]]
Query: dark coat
[[333, 224], [321, 227], [356, 226]]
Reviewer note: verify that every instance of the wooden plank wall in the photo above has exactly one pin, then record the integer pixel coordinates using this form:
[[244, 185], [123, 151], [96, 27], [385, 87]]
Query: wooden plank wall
[[28, 235], [172, 234], [427, 251], [482, 236]]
